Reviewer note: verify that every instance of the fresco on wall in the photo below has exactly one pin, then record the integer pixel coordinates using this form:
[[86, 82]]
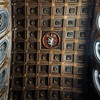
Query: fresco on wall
[[3, 20], [3, 50], [5, 47]]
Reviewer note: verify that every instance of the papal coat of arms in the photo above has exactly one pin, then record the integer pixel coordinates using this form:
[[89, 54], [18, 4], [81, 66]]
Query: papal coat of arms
[[51, 40]]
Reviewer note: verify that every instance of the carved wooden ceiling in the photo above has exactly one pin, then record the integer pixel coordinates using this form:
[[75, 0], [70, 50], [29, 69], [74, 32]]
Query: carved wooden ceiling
[[51, 41]]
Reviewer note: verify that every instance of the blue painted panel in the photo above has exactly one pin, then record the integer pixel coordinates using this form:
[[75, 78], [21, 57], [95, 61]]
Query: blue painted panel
[[3, 50], [3, 20], [2, 77]]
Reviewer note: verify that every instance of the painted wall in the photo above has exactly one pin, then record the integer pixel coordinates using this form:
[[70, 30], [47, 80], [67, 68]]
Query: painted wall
[[5, 47]]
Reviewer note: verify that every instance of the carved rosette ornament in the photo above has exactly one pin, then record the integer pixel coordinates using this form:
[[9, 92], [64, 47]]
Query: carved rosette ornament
[[5, 47]]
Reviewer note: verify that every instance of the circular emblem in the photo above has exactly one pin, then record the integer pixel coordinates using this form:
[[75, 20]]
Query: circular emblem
[[51, 40]]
